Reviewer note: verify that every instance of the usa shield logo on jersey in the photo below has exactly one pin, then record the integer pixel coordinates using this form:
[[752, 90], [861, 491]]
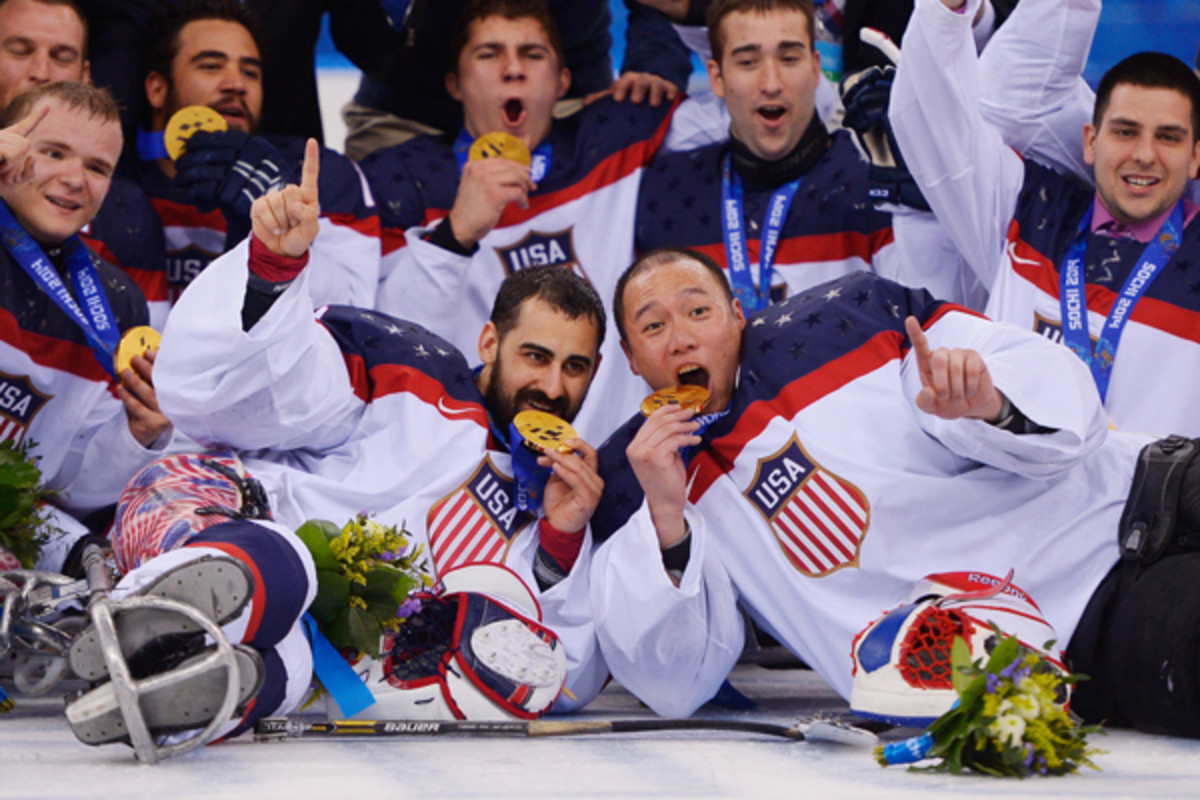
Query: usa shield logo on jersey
[[20, 402], [818, 518], [539, 249], [476, 522]]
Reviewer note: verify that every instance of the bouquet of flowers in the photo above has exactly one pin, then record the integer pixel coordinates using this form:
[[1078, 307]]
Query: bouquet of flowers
[[1009, 719], [365, 572], [24, 526]]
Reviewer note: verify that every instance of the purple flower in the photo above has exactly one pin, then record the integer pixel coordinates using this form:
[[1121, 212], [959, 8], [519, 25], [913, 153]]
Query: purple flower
[[408, 608], [1029, 755], [993, 683]]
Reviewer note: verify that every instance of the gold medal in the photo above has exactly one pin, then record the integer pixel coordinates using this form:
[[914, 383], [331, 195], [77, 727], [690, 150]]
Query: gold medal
[[187, 121], [136, 342], [543, 431], [693, 397], [499, 144]]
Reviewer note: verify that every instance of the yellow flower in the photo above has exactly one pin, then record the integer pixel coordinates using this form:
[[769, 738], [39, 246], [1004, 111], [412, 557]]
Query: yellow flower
[[1026, 705]]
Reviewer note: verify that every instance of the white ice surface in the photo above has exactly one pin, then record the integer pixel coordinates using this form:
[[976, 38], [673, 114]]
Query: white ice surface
[[40, 758]]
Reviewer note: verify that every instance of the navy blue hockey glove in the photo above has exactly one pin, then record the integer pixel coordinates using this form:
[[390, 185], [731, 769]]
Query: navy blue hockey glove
[[229, 170], [865, 96]]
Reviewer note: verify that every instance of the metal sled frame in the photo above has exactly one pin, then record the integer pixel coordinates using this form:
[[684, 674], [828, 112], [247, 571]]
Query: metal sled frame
[[129, 691], [40, 648]]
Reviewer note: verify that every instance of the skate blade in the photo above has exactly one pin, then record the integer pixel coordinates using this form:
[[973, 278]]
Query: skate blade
[[95, 717], [217, 586]]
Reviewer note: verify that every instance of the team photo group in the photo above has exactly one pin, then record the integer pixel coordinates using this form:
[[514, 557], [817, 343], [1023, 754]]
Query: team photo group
[[873, 348]]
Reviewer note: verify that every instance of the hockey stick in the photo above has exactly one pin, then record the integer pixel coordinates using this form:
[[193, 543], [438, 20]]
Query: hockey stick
[[281, 728]]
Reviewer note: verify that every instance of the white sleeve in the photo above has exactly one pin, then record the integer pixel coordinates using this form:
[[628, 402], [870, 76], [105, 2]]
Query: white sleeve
[[970, 178], [283, 384], [1031, 84], [696, 39], [1046, 381], [671, 647], [698, 121], [422, 282], [567, 610], [923, 255], [103, 456]]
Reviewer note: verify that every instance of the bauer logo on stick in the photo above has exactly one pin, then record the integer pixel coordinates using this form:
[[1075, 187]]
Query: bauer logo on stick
[[543, 432], [499, 144], [136, 342], [693, 397], [188, 121]]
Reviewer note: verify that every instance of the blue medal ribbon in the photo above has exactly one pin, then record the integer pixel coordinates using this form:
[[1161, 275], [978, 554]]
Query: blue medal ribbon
[[529, 477], [539, 162], [95, 318], [1072, 296], [335, 674], [733, 228], [151, 145]]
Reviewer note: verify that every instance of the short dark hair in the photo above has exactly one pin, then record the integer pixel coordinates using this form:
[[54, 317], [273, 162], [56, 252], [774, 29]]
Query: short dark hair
[[1153, 71], [74, 6], [556, 286], [509, 9], [163, 36], [655, 258], [97, 102], [723, 8]]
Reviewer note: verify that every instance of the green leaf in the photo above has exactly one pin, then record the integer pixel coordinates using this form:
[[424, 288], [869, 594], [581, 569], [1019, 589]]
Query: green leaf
[[960, 662], [333, 597], [364, 632], [314, 535], [1003, 654]]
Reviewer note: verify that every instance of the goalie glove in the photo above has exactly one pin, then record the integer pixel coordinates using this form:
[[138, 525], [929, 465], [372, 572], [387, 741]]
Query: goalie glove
[[229, 170], [476, 651], [902, 669], [865, 96]]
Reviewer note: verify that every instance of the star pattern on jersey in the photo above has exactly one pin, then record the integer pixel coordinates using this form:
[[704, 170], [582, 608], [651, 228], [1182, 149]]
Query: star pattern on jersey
[[394, 329], [783, 319], [420, 351]]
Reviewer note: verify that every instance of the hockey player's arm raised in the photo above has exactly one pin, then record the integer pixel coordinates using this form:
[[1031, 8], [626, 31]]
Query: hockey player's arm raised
[[286, 220], [654, 455], [268, 376], [966, 173]]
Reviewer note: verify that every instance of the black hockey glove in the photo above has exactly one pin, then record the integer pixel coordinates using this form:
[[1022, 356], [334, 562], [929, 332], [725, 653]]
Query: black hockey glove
[[865, 96], [229, 170]]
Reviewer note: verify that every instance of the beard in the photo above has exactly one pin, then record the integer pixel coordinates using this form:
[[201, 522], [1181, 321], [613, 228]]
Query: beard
[[504, 406]]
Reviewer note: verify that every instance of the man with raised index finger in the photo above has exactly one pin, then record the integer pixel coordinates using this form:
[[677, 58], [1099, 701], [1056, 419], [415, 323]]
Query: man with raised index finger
[[860, 437]]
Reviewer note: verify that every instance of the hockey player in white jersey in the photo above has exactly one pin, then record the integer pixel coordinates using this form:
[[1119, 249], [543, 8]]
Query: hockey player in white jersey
[[1106, 266], [454, 227], [355, 411], [863, 436]]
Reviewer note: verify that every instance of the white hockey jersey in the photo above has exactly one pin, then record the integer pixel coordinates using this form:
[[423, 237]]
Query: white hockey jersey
[[581, 216], [825, 494], [355, 412], [1013, 221]]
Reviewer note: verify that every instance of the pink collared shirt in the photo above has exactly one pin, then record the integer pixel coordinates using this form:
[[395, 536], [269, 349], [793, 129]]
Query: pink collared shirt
[[1142, 231]]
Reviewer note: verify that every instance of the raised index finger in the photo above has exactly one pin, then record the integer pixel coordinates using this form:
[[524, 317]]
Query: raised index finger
[[921, 348], [29, 122], [311, 169]]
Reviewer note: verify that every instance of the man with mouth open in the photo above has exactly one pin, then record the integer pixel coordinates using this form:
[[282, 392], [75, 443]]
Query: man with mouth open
[[1111, 271], [356, 411], [859, 437], [785, 204], [205, 53], [455, 227]]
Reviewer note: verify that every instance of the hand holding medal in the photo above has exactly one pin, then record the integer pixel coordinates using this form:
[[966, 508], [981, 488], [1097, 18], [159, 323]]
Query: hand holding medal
[[555, 470], [495, 172], [187, 122]]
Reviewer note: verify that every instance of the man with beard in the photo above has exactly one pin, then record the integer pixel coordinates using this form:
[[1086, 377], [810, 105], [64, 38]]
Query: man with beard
[[455, 226], [205, 53], [358, 411]]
